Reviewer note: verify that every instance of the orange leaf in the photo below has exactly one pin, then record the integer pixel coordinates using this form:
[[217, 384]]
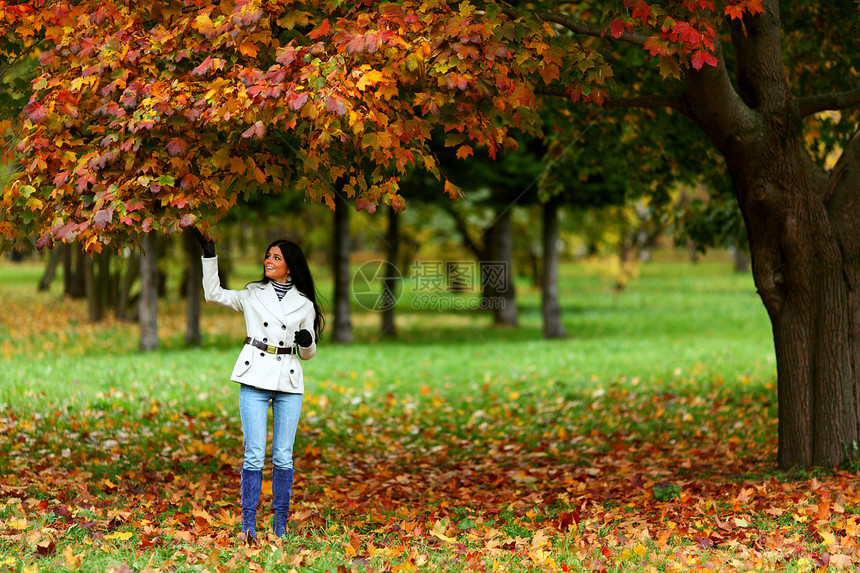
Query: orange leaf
[[464, 151]]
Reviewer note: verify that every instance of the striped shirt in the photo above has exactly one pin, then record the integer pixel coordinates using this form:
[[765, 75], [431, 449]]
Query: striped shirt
[[282, 288]]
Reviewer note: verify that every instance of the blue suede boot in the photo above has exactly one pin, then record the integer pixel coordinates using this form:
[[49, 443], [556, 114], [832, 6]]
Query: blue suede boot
[[251, 484], [282, 491]]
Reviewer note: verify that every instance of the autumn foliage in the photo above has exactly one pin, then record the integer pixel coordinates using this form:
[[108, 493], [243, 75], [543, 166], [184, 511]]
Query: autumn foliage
[[161, 115]]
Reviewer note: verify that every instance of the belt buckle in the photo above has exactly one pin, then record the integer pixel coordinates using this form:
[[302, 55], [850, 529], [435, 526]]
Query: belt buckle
[[271, 349]]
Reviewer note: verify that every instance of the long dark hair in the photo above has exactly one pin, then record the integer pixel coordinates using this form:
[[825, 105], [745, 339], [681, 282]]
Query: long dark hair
[[302, 279]]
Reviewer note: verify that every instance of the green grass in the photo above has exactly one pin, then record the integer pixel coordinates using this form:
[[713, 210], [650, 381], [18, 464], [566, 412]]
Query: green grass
[[645, 440], [673, 321]]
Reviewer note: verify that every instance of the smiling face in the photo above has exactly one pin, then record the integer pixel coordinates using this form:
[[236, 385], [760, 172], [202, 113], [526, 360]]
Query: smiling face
[[275, 266]]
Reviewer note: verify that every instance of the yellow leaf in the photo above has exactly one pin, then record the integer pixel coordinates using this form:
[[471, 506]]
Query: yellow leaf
[[371, 78], [248, 49], [121, 535], [829, 538], [439, 531]]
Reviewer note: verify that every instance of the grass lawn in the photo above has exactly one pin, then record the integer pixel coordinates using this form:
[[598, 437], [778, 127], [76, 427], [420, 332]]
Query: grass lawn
[[645, 440]]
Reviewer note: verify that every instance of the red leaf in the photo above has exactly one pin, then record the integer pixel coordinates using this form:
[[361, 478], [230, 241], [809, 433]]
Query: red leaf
[[187, 220], [257, 129], [35, 111], [362, 204], [336, 104], [617, 28], [702, 58], [495, 50], [286, 55], [297, 100], [61, 178], [102, 218], [355, 45], [177, 146], [642, 12], [320, 31], [204, 67]]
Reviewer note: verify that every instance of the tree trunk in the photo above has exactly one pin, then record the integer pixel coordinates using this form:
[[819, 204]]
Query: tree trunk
[[148, 306], [340, 260], [804, 243], [74, 284], [497, 272], [51, 268], [194, 281], [97, 283], [132, 268], [552, 324], [94, 310], [389, 281], [741, 260]]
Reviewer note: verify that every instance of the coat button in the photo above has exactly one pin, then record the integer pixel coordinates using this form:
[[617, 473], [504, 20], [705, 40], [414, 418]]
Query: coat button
[[265, 324], [281, 343], [265, 340], [247, 363], [292, 371], [283, 327], [279, 358], [262, 354]]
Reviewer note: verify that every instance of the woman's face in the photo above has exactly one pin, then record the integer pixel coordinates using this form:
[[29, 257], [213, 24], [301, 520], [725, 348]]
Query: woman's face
[[275, 266]]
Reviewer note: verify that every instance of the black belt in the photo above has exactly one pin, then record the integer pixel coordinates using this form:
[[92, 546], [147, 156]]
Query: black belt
[[268, 347]]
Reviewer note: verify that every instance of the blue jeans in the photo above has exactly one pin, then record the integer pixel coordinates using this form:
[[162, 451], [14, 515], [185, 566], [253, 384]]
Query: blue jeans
[[254, 410]]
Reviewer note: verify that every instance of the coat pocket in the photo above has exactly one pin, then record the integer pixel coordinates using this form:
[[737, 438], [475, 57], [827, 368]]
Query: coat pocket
[[243, 363]]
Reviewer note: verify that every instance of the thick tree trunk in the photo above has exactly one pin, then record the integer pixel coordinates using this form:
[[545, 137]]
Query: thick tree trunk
[[342, 324], [148, 306], [804, 252], [389, 281], [552, 324], [798, 271], [194, 281]]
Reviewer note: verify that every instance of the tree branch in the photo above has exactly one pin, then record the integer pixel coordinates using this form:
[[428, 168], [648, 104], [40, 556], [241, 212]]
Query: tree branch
[[810, 105], [17, 58], [652, 100], [576, 26]]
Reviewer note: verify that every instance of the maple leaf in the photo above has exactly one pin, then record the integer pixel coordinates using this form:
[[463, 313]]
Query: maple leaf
[[335, 104], [102, 218], [320, 30], [370, 78], [202, 68], [700, 58], [617, 28], [464, 151], [35, 111], [257, 130], [177, 146]]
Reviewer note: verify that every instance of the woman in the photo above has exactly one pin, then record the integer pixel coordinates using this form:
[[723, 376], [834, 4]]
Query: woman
[[283, 322]]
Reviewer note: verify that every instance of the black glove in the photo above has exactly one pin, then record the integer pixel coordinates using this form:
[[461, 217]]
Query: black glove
[[207, 245], [303, 338]]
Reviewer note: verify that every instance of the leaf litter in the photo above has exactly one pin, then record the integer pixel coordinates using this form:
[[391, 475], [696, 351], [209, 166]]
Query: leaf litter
[[507, 476], [600, 481]]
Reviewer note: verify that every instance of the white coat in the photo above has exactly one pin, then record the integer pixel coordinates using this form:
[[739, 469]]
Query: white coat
[[271, 321]]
